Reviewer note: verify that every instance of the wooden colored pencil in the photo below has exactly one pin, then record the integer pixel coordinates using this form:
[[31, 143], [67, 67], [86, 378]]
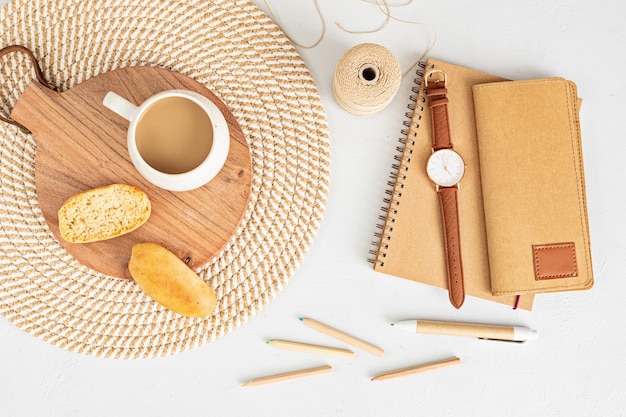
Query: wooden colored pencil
[[288, 376], [416, 369], [337, 334], [305, 347]]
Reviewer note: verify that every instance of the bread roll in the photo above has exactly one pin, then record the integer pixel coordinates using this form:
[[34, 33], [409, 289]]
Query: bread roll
[[103, 213], [169, 281]]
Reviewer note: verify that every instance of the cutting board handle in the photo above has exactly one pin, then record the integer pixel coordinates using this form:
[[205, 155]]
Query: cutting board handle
[[38, 73]]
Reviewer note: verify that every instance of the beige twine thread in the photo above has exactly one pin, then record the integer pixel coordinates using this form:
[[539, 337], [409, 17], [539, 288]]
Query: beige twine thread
[[385, 8], [353, 93], [323, 21], [367, 78], [234, 49], [382, 5]]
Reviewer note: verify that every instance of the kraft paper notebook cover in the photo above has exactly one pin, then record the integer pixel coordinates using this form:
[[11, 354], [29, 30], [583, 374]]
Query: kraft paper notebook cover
[[411, 240], [533, 186]]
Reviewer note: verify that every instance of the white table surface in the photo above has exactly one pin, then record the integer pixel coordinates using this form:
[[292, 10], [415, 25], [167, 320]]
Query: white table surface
[[576, 368]]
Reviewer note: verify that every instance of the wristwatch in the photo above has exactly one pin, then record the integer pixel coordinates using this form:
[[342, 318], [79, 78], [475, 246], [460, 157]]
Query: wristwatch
[[445, 168]]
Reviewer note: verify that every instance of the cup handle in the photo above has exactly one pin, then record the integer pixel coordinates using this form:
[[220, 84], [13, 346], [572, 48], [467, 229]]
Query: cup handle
[[120, 105]]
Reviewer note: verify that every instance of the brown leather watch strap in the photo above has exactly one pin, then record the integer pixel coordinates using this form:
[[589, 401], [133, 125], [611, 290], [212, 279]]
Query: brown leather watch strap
[[438, 104], [448, 202], [437, 94]]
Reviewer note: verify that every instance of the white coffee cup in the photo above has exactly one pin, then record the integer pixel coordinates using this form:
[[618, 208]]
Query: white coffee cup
[[177, 139]]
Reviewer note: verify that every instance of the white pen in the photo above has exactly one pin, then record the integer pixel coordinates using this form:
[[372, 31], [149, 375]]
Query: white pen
[[481, 331]]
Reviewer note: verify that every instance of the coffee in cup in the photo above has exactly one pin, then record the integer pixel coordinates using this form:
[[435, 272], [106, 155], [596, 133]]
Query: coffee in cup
[[177, 139]]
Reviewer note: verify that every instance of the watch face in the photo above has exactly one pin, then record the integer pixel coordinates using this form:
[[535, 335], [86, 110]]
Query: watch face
[[445, 167]]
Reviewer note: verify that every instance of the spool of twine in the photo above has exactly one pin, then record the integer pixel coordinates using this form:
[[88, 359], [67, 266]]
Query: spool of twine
[[366, 79]]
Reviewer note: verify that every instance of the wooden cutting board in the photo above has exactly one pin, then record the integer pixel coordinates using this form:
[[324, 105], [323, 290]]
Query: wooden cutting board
[[82, 145]]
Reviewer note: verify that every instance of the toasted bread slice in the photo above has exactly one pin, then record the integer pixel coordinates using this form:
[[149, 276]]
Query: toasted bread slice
[[103, 213]]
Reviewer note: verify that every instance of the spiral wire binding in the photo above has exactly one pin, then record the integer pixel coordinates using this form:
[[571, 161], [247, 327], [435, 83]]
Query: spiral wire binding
[[398, 174]]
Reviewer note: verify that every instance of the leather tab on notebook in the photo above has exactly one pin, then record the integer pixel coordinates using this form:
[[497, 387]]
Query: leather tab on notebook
[[555, 261]]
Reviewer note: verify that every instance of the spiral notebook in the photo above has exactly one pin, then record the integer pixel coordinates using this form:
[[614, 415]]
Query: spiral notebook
[[410, 242]]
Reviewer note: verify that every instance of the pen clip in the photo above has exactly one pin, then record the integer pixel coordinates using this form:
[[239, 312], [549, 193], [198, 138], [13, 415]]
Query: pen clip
[[502, 340]]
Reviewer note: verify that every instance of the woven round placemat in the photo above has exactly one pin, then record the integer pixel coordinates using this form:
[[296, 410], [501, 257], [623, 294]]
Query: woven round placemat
[[238, 53]]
